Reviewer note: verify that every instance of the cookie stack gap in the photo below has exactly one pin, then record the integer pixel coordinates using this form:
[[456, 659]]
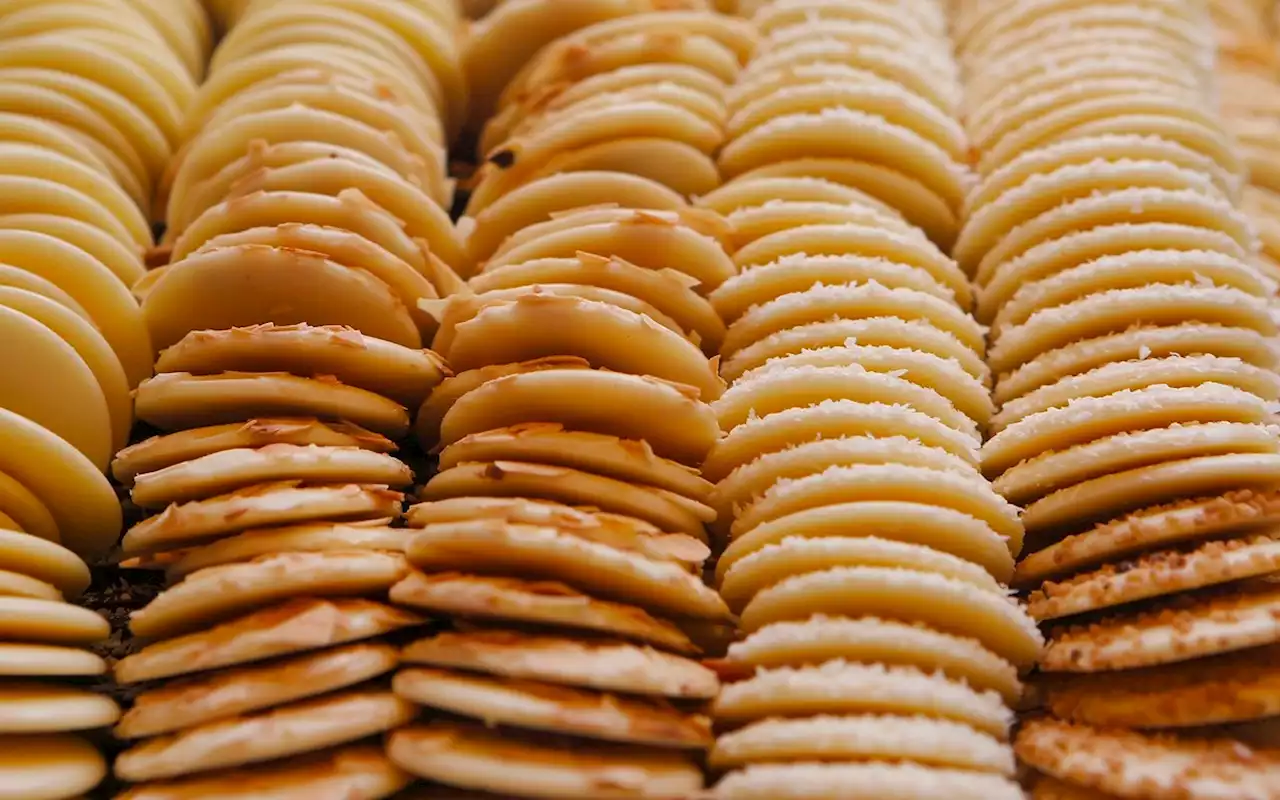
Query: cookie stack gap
[[1133, 340], [861, 546]]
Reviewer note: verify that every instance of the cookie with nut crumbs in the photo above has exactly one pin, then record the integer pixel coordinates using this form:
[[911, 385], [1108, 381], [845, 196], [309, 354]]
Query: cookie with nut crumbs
[[843, 687], [867, 781], [1148, 766], [1047, 788], [1151, 528], [1237, 618], [919, 739], [870, 640], [1158, 574], [1222, 690]]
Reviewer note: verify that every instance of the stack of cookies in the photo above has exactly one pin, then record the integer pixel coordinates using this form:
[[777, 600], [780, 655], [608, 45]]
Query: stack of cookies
[[314, 155], [90, 94], [276, 489], [863, 549], [565, 533], [1132, 339], [637, 93], [44, 641]]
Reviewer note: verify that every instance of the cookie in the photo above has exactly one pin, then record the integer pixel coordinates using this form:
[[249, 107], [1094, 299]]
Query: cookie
[[229, 470], [295, 626], [494, 547], [1186, 629], [667, 510], [298, 728], [828, 781], [1233, 688], [159, 452], [193, 702], [472, 757], [554, 709], [535, 602], [1238, 511], [216, 594], [1158, 574], [839, 687], [870, 640], [1129, 764], [942, 602], [935, 742], [262, 505], [602, 664]]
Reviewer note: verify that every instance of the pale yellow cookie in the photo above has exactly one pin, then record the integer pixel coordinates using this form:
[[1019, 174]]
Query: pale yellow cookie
[[861, 781], [919, 739], [871, 640], [27, 707], [913, 522], [951, 605], [839, 687]]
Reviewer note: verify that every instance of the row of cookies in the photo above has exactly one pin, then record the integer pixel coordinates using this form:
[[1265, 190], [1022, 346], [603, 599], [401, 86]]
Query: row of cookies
[[1132, 339], [863, 550], [565, 533], [315, 155], [88, 99], [307, 218]]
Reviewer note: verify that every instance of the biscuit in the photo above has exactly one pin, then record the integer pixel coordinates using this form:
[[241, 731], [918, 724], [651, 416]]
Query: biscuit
[[838, 687], [1185, 629], [854, 781], [472, 757], [495, 547], [1127, 763], [193, 702], [871, 640], [938, 743], [554, 709], [601, 664]]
